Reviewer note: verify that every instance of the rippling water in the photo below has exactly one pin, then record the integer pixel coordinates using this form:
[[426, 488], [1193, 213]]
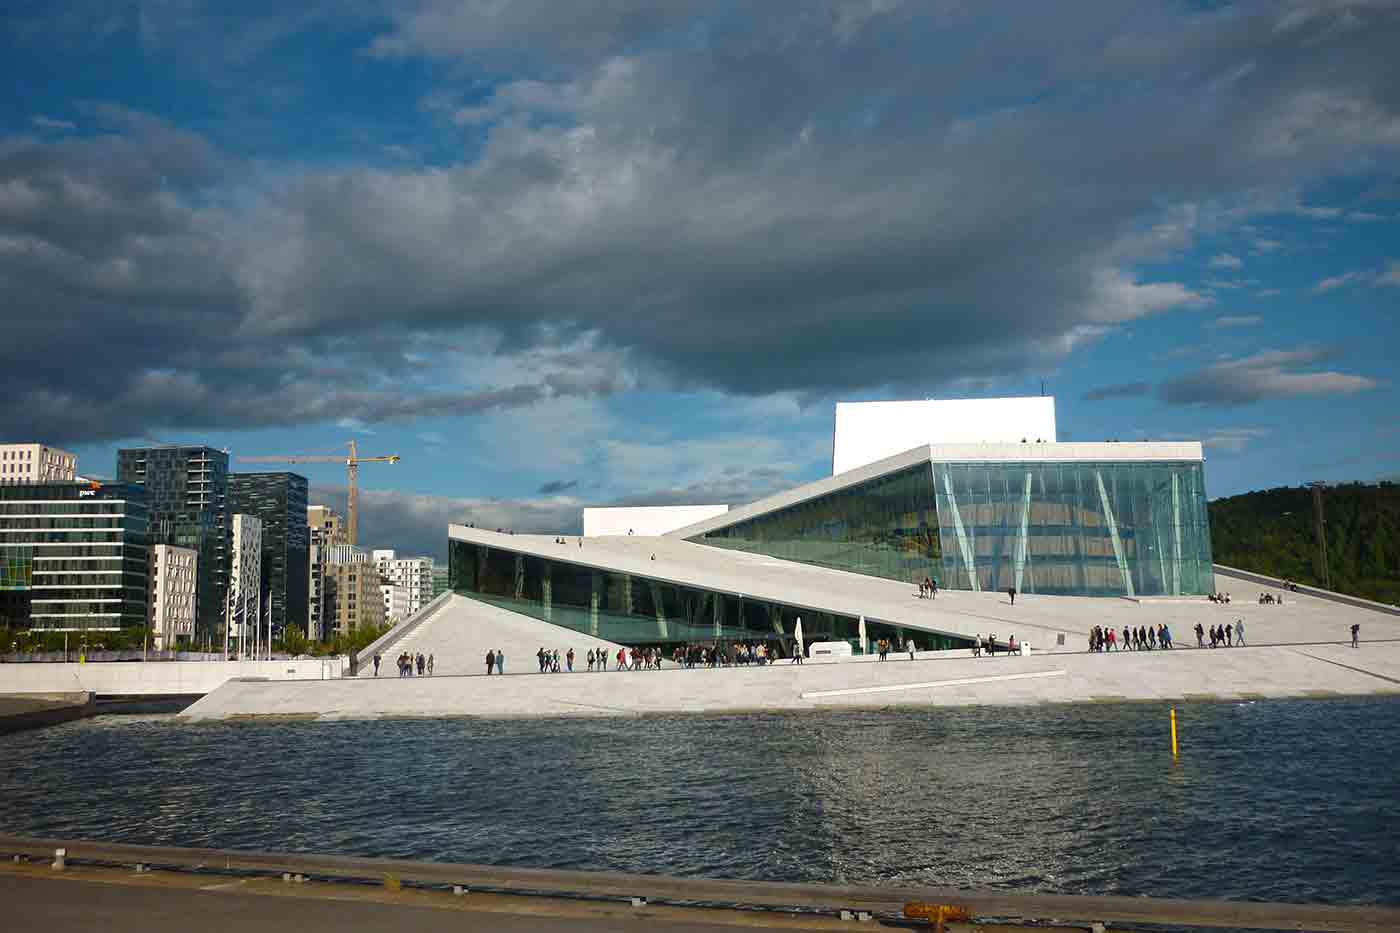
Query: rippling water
[[1278, 800]]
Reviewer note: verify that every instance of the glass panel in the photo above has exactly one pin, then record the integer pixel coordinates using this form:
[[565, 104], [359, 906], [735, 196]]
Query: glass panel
[[887, 527], [637, 611]]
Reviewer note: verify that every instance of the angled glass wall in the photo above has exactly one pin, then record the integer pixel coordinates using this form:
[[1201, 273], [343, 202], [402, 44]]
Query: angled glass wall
[[1075, 528], [633, 610], [886, 527]]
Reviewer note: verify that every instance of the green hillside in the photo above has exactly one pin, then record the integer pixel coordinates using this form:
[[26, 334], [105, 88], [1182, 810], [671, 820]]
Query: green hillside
[[1271, 532]]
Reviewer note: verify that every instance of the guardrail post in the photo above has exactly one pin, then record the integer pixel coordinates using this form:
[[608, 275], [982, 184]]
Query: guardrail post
[[60, 859]]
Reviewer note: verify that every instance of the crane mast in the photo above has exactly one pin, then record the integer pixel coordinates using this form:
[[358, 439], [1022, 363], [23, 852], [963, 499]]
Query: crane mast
[[352, 478]]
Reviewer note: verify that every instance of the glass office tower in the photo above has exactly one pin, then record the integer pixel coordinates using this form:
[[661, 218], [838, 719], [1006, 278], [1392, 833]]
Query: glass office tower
[[74, 556], [1070, 527], [187, 491], [278, 500]]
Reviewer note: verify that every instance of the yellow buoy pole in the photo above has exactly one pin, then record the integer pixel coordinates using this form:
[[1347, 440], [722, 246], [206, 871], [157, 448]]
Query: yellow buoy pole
[[1173, 731]]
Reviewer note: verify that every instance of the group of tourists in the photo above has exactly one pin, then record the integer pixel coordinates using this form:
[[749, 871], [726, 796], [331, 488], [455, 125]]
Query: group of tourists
[[928, 589], [408, 663], [1221, 598], [1221, 636], [1142, 638], [1269, 599], [884, 646], [989, 646], [495, 659]]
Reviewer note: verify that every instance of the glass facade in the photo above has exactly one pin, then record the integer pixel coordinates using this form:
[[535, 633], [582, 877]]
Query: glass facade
[[885, 527], [74, 556], [187, 492], [1077, 528], [638, 611], [278, 500]]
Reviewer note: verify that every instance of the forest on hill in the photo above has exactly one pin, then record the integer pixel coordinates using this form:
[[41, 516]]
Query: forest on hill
[[1272, 532]]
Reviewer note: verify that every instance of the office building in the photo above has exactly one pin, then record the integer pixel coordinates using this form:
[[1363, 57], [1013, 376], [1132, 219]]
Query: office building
[[245, 615], [36, 463], [187, 493], [414, 574], [174, 581], [278, 501], [74, 556]]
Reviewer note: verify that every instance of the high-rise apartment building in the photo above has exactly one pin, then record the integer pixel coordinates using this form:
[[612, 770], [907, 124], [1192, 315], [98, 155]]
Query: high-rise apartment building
[[245, 594], [414, 574], [174, 581], [36, 463], [327, 529], [74, 556], [187, 494], [278, 500], [351, 598]]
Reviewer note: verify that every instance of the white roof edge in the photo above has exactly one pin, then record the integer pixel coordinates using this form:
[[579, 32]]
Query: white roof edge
[[1107, 451]]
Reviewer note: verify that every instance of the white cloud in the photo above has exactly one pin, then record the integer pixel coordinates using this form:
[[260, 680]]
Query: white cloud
[[52, 123], [1235, 320], [1269, 374], [1332, 283], [1391, 275], [1263, 245], [1226, 261], [1364, 217]]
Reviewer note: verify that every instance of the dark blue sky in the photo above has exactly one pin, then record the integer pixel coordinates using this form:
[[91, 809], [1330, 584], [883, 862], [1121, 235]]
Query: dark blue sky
[[634, 251]]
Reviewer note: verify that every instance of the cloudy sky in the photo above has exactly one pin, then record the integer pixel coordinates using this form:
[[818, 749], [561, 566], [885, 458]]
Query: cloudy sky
[[634, 250]]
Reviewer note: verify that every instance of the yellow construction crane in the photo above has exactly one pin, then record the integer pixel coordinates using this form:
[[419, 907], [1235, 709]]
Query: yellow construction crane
[[352, 475]]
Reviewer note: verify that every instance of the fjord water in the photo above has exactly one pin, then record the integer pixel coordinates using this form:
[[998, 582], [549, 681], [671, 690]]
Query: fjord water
[[1270, 800]]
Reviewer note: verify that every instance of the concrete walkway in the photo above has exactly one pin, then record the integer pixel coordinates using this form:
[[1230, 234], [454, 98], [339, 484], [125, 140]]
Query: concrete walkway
[[459, 635], [1315, 670]]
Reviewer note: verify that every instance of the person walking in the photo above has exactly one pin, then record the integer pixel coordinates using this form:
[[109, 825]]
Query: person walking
[[570, 658], [376, 665], [1011, 591], [500, 661], [490, 661], [1356, 635], [909, 643], [589, 659], [540, 656], [1200, 636], [1229, 635], [1239, 632], [430, 665]]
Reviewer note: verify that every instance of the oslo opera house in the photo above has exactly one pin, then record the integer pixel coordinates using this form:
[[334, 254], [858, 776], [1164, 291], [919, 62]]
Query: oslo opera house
[[977, 495]]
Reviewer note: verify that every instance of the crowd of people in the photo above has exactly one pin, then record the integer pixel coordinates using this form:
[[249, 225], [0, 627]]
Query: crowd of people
[[1221, 598], [597, 660], [1142, 638], [989, 646], [1228, 635], [408, 664]]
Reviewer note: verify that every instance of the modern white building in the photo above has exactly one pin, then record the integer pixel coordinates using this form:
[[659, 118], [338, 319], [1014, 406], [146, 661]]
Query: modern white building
[[245, 582], [647, 520], [174, 584], [395, 601], [869, 431], [36, 463], [414, 574]]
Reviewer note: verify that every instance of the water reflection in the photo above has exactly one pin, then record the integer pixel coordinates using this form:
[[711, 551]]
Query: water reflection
[[1278, 800]]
